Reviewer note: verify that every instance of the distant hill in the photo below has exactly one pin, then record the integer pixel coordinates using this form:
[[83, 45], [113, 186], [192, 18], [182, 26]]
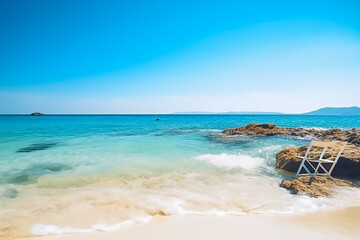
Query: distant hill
[[193, 113], [336, 111], [255, 113], [322, 111], [234, 113]]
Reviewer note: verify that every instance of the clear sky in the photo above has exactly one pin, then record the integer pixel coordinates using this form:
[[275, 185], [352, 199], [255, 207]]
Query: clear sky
[[72, 56]]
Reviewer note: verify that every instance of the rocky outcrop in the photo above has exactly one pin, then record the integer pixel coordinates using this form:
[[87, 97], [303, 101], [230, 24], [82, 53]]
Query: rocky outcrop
[[348, 165], [270, 129], [37, 114], [320, 186], [267, 129]]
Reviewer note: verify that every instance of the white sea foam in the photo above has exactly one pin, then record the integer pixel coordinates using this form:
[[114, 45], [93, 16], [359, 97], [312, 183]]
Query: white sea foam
[[46, 229], [209, 130], [175, 207], [316, 128], [213, 212], [231, 161], [270, 148], [297, 205]]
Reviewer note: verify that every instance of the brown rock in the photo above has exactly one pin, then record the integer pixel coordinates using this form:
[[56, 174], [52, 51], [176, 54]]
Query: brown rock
[[320, 186], [287, 159], [270, 129], [267, 129], [348, 165]]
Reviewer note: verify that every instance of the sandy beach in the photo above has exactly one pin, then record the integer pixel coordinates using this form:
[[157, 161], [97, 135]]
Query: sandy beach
[[334, 224]]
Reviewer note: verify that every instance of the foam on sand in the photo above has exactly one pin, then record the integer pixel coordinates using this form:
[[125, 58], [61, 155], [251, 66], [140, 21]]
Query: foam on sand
[[45, 229]]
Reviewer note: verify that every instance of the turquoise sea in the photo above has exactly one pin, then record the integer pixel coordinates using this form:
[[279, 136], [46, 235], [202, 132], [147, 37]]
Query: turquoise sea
[[121, 169]]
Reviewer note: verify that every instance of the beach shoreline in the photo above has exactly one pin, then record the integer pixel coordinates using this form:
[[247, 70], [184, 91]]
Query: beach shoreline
[[329, 224]]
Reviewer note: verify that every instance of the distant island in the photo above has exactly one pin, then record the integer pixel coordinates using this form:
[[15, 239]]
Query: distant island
[[37, 114], [336, 111], [322, 111]]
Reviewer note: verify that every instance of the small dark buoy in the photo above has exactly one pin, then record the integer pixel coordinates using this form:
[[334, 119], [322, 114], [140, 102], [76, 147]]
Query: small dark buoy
[[157, 119]]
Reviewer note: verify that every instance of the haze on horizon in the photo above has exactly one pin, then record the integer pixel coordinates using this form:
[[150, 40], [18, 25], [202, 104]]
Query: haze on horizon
[[178, 56]]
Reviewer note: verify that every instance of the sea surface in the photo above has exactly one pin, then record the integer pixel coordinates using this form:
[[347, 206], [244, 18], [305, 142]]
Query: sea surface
[[83, 173]]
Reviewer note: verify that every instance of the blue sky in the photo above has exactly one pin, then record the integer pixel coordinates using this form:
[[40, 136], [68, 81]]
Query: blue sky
[[173, 56]]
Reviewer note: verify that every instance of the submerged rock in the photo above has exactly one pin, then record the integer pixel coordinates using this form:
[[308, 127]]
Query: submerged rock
[[33, 172], [319, 186], [23, 179], [270, 129], [36, 147], [10, 193]]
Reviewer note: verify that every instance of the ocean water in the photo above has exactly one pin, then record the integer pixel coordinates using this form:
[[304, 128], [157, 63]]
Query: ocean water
[[124, 169]]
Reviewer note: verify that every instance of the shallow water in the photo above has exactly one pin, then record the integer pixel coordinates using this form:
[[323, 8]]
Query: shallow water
[[121, 169]]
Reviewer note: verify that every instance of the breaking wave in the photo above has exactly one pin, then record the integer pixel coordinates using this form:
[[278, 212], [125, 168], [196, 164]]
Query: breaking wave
[[231, 161]]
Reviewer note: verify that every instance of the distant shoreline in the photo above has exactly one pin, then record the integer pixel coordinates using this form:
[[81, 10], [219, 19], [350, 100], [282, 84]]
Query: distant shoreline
[[328, 111], [174, 114]]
